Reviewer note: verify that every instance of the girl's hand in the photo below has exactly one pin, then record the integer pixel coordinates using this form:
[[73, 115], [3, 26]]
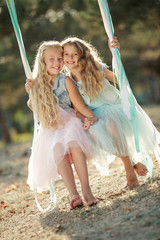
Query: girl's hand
[[89, 121], [28, 85], [114, 44], [86, 126]]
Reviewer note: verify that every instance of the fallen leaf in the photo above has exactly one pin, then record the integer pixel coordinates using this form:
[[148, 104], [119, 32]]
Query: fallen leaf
[[58, 227], [4, 205], [127, 209], [12, 211], [107, 228], [7, 190], [12, 187], [151, 189]]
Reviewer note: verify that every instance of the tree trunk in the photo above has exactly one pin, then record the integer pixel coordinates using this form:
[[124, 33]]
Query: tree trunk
[[4, 125], [154, 88]]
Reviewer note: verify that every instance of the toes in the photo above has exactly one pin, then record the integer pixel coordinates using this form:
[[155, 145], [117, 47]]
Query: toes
[[93, 202], [142, 173], [141, 169], [75, 202], [131, 187]]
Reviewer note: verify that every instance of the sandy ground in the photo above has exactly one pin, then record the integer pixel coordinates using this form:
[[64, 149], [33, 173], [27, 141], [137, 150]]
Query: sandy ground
[[121, 213]]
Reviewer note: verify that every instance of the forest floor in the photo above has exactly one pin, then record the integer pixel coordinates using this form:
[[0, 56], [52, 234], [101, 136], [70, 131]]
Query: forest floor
[[120, 214]]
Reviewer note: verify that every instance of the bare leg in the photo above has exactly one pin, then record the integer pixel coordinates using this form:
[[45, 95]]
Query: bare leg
[[130, 174], [79, 160], [65, 169], [140, 169]]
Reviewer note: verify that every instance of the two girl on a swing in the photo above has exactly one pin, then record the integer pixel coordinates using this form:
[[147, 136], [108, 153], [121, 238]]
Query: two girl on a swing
[[97, 128]]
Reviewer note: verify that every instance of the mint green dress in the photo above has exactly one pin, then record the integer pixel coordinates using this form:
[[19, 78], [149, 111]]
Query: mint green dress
[[113, 134]]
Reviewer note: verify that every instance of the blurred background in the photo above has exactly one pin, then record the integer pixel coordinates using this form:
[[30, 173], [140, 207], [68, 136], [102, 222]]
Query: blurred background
[[136, 23]]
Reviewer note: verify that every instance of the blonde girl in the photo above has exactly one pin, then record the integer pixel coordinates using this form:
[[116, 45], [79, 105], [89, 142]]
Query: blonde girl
[[60, 133], [113, 132]]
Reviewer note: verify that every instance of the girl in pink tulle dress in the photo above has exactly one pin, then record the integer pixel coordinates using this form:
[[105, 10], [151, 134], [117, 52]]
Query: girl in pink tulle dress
[[60, 132]]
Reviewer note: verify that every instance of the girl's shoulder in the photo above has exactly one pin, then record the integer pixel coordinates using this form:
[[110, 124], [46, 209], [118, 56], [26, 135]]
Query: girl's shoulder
[[63, 78], [60, 78], [63, 82], [60, 82], [69, 82]]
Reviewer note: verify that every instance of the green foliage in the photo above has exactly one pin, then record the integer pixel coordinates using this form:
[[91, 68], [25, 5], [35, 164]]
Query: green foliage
[[21, 121], [21, 137], [136, 24]]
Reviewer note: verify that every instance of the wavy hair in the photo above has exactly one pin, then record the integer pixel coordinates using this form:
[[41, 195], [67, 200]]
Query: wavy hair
[[44, 102], [89, 62]]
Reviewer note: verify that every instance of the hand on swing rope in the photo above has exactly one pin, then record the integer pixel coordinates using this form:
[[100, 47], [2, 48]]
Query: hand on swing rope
[[28, 85], [114, 43]]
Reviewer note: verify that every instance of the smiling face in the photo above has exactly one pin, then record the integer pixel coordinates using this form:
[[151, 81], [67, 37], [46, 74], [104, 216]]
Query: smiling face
[[53, 58], [70, 57]]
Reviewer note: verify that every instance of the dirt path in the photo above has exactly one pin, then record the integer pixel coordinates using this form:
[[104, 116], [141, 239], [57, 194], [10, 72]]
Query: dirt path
[[121, 214]]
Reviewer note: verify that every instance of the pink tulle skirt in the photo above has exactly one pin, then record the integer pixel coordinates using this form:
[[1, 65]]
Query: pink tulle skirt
[[50, 147]]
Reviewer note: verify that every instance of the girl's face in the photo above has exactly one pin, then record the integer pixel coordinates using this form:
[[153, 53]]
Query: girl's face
[[54, 60], [70, 57]]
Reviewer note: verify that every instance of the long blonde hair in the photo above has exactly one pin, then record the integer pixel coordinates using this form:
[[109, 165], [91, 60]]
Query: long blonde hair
[[89, 62], [44, 102]]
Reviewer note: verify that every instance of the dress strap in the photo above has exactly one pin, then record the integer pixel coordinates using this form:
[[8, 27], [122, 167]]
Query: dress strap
[[101, 67], [72, 79]]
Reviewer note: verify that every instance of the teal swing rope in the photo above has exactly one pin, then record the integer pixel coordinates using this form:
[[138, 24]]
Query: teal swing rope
[[119, 69], [13, 15], [128, 100]]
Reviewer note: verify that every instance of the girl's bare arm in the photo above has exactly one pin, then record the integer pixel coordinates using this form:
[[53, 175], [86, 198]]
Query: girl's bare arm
[[77, 100], [109, 75]]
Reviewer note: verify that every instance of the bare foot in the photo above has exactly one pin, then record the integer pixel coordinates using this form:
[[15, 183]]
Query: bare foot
[[130, 187], [92, 202], [132, 180], [90, 199], [140, 169], [75, 202]]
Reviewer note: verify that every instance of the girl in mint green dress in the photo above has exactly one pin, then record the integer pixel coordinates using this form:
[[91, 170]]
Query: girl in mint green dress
[[112, 134]]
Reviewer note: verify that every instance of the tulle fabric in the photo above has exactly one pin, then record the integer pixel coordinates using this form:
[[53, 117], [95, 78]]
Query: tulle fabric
[[50, 148], [113, 133]]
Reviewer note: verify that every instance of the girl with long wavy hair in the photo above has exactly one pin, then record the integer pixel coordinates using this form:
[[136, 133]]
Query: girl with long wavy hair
[[60, 132], [113, 132]]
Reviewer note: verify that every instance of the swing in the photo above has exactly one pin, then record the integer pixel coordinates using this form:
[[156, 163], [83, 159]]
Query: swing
[[128, 100]]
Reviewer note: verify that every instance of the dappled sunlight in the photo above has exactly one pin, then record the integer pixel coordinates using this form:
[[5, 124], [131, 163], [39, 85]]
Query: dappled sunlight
[[119, 213]]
